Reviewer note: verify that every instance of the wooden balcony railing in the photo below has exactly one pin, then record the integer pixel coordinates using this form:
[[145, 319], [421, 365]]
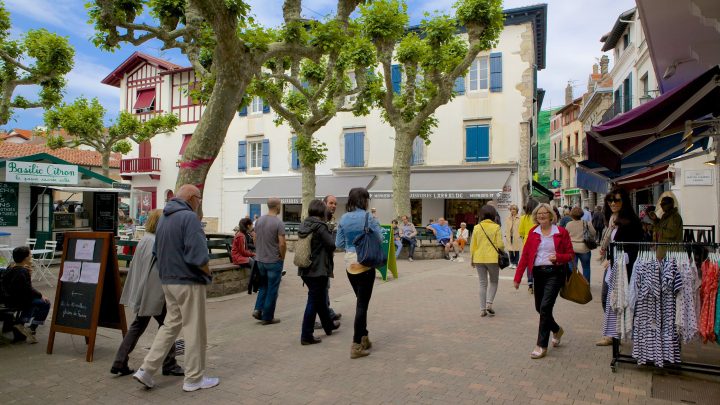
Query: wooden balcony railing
[[140, 165]]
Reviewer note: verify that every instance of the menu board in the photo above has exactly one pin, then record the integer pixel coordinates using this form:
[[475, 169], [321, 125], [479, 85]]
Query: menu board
[[105, 212], [9, 204], [88, 288], [63, 220]]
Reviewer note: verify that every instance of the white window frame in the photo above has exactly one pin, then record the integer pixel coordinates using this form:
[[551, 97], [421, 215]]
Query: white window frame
[[349, 100], [256, 106], [254, 154], [479, 75]]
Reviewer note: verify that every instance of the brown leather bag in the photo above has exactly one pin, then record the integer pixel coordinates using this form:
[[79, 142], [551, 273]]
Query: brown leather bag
[[576, 288]]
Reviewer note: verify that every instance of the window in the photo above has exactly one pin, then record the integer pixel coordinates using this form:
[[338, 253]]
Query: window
[[617, 102], [645, 86], [354, 149], [626, 40], [145, 101], [353, 84], [294, 156], [256, 106], [627, 93], [291, 212], [479, 74], [477, 143], [255, 155], [185, 142]]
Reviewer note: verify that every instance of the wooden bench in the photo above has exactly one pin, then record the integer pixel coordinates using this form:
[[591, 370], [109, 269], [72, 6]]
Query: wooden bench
[[291, 228], [127, 257]]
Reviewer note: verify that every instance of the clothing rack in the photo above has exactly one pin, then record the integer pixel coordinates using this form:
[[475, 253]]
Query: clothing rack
[[618, 357]]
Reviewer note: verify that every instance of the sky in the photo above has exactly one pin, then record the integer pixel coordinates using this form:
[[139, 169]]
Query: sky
[[573, 43]]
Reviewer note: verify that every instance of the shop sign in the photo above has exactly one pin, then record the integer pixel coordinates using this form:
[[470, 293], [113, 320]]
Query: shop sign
[[571, 191], [480, 195], [9, 204], [698, 178], [555, 184], [42, 173], [557, 194]]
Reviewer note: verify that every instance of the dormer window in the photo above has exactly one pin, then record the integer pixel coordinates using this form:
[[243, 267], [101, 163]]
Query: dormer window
[[145, 101]]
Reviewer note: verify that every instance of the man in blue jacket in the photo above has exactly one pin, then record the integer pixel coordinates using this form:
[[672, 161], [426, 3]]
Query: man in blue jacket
[[182, 261]]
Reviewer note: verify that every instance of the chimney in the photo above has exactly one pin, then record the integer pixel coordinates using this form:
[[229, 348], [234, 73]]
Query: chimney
[[595, 68], [604, 61], [568, 94]]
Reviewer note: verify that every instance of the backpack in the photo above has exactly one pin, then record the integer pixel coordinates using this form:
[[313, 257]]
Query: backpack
[[303, 251]]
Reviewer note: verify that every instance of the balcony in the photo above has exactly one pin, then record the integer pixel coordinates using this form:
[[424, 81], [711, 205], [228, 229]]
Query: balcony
[[570, 157], [138, 166]]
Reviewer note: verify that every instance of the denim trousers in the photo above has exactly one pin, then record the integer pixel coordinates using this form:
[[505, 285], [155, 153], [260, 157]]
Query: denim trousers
[[362, 285], [412, 243], [136, 329], [37, 312], [585, 261], [271, 274], [398, 247], [514, 257], [547, 287], [316, 305]]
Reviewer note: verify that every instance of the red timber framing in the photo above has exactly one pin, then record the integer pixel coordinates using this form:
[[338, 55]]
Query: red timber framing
[[181, 103], [144, 77]]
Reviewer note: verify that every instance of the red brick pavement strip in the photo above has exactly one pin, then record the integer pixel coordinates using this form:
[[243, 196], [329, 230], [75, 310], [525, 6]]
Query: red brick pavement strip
[[430, 347]]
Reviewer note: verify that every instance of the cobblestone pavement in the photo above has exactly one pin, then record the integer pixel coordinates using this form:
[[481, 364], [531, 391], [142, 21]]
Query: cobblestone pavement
[[430, 346]]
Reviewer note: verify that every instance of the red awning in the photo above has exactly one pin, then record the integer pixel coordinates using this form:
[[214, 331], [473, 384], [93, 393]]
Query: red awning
[[186, 141], [646, 178], [144, 99]]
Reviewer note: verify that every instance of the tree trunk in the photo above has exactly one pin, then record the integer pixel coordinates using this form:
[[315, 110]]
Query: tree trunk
[[209, 135], [105, 163], [308, 187], [401, 173]]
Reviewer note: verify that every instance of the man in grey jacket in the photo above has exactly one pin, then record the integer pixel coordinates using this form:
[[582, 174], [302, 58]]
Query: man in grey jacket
[[182, 261]]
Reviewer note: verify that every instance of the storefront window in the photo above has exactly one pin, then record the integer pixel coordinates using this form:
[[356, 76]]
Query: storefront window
[[457, 211], [291, 212], [43, 213], [416, 212]]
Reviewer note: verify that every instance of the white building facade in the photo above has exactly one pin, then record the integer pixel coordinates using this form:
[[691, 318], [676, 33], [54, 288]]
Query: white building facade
[[479, 151]]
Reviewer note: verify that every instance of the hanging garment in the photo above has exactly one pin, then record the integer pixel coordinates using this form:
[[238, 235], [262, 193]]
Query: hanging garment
[[717, 314], [687, 301], [708, 300], [610, 318], [671, 285]]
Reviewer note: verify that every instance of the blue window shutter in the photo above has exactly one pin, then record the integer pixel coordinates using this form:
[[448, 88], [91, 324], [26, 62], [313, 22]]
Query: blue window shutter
[[471, 143], [349, 149], [294, 160], [417, 152], [496, 72], [266, 107], [242, 156], [243, 112], [254, 210], [266, 154], [460, 85], [483, 133], [360, 149], [396, 78]]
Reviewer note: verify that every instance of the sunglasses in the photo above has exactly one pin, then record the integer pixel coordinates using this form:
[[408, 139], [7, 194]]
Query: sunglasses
[[614, 200]]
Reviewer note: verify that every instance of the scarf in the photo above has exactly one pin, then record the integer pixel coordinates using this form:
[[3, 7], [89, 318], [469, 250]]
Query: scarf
[[607, 234]]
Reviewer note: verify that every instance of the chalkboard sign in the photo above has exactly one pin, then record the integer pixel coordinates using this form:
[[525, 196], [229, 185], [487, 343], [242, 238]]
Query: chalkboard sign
[[88, 288], [9, 204], [105, 212], [63, 220]]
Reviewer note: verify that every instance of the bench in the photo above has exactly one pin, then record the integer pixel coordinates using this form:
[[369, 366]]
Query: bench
[[9, 317], [291, 228], [127, 254]]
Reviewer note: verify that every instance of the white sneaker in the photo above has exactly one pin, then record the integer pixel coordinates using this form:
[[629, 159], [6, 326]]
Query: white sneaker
[[410, 259], [206, 382], [144, 378], [27, 332], [460, 260]]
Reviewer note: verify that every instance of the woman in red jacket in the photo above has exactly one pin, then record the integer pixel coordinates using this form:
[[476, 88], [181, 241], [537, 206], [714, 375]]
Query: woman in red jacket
[[241, 247], [546, 253]]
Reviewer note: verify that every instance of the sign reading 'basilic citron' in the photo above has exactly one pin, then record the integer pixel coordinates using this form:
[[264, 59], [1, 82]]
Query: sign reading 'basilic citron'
[[41, 173]]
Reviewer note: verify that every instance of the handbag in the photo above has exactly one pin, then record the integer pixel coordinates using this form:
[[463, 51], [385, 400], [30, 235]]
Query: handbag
[[368, 246], [503, 257], [576, 288], [588, 240], [303, 251]]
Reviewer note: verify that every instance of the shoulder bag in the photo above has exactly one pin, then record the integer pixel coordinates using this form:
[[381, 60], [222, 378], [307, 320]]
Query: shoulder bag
[[576, 288], [503, 257], [588, 240], [368, 247], [303, 251]]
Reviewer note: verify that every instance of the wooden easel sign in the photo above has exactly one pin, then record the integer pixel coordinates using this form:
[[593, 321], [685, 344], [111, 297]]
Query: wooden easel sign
[[88, 289]]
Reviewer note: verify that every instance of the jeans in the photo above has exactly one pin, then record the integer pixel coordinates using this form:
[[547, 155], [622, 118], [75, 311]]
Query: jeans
[[548, 282], [362, 285], [514, 257], [316, 305], [270, 274], [412, 243], [485, 270], [136, 329], [398, 247], [37, 312], [585, 261]]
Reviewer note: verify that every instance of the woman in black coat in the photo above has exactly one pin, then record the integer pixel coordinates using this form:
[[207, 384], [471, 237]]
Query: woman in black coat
[[622, 225], [315, 276]]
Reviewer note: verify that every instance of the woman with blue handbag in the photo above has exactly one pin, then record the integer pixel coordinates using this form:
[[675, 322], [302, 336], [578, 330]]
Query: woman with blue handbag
[[360, 235]]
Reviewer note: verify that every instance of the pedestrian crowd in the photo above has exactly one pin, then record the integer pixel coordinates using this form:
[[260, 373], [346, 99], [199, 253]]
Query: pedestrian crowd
[[169, 273]]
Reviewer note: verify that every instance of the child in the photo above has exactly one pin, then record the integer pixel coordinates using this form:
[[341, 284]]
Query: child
[[21, 294]]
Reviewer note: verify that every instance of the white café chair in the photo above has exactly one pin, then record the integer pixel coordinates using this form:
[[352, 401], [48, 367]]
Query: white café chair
[[139, 232], [43, 263], [30, 242]]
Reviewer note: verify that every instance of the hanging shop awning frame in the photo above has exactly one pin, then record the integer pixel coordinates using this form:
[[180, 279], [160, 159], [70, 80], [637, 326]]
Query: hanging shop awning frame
[[289, 188], [484, 185]]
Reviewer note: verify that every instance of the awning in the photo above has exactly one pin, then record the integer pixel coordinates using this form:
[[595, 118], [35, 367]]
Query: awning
[[590, 181], [646, 178], [655, 129], [144, 99], [76, 190], [289, 189], [483, 185], [539, 187]]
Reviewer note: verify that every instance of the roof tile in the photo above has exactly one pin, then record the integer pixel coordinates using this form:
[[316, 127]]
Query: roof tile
[[75, 156]]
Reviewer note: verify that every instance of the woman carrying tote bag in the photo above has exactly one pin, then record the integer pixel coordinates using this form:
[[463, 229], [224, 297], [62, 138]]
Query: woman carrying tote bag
[[486, 240]]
